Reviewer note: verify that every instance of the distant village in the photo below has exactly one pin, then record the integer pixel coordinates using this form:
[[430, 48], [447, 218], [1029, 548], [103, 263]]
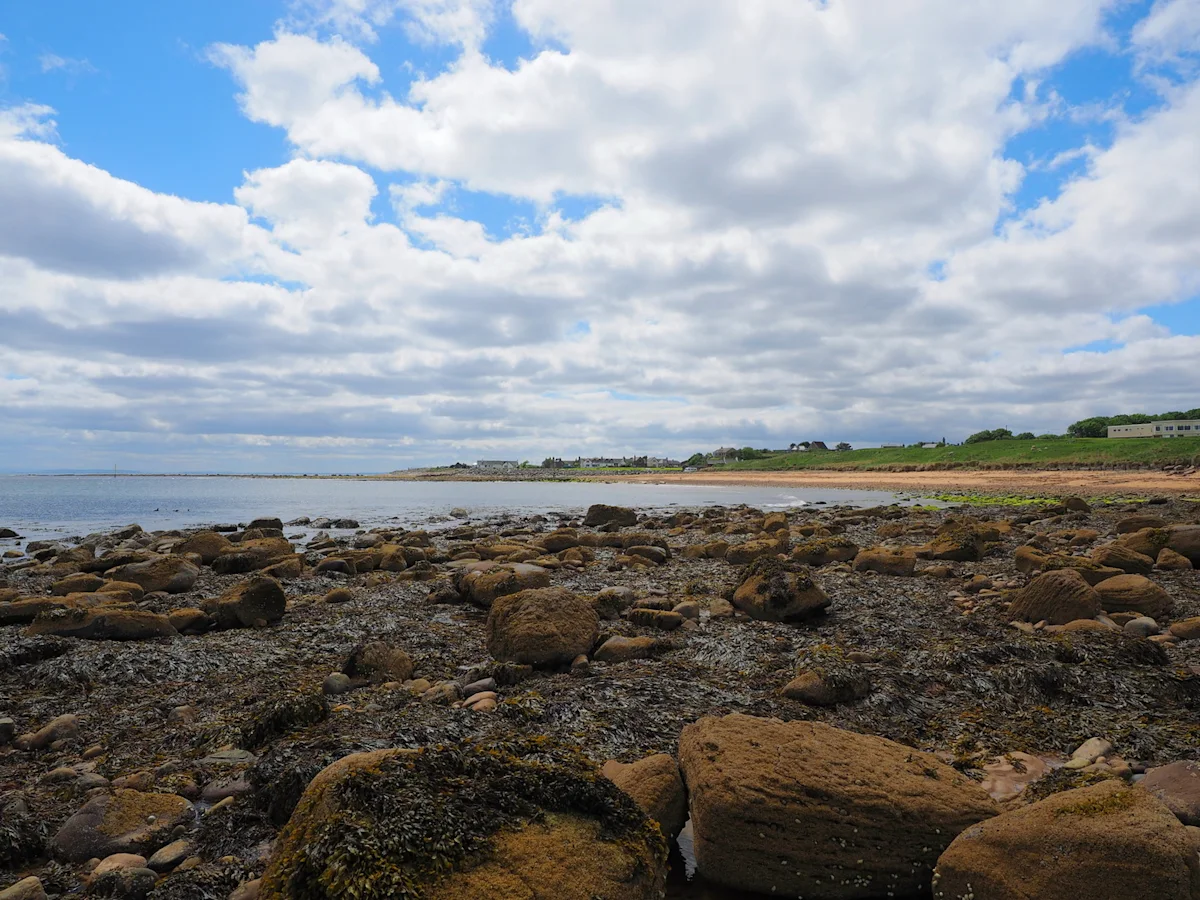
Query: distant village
[[719, 457]]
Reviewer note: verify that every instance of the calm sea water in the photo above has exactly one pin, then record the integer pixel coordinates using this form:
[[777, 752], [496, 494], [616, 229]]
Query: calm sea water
[[63, 506]]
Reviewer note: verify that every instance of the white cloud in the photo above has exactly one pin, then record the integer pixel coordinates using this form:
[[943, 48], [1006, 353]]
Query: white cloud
[[1171, 30], [779, 178], [52, 62]]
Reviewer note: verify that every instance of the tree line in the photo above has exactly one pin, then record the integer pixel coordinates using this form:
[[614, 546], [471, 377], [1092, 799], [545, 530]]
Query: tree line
[[1097, 426]]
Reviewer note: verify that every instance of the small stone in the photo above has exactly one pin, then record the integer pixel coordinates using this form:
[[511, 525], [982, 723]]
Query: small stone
[[182, 715], [118, 861], [246, 891], [442, 694], [62, 728], [336, 683], [480, 697], [483, 706], [720, 609], [580, 664], [170, 856], [478, 687], [689, 609], [339, 595]]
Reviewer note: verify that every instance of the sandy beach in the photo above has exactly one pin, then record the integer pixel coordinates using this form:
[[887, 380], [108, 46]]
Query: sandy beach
[[1040, 483]]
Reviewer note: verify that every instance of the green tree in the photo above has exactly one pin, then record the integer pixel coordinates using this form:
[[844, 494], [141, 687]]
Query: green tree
[[998, 434], [1025, 436], [842, 445], [1095, 427], [696, 459]]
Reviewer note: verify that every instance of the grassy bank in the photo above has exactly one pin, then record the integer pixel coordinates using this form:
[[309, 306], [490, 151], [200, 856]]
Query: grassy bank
[[1150, 453]]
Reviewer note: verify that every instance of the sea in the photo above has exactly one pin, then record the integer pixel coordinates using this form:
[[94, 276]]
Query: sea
[[58, 507]]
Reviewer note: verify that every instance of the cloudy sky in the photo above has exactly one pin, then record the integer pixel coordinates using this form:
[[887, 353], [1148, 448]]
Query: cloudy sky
[[357, 235]]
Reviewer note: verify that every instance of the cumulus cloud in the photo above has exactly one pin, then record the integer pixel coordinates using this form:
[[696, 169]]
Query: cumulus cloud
[[800, 222]]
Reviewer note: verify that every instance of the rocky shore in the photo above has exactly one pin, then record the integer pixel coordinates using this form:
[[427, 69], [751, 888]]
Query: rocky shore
[[994, 703]]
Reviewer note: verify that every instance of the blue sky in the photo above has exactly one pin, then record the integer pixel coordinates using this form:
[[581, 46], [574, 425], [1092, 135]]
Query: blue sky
[[633, 237]]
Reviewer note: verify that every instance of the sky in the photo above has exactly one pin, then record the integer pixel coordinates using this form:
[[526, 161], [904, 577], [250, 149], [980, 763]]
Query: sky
[[362, 235]]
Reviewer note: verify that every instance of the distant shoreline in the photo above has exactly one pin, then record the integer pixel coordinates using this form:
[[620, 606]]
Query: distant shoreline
[[1025, 481]]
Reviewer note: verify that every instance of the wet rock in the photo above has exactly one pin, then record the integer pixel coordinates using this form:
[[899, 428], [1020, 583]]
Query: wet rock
[[541, 627], [1057, 598], [778, 807], [338, 595], [1109, 840], [336, 683], [1186, 629], [191, 621], [259, 600], [1008, 776], [740, 554], [1142, 626], [102, 625], [118, 861], [170, 856], [655, 784], [252, 555], [611, 602], [1131, 524], [1092, 749], [121, 822], [622, 649], [533, 823], [27, 609], [600, 514], [172, 574], [1136, 594], [777, 591], [954, 543]]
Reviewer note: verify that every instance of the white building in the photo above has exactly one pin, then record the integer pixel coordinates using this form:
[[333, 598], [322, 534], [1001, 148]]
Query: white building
[[497, 464], [1169, 428]]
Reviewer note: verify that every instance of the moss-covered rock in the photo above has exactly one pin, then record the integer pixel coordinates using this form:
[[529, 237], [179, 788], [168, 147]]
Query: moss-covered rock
[[500, 821], [822, 551], [541, 627], [778, 591]]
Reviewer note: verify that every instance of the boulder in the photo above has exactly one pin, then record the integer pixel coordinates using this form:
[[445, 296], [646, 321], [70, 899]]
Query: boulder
[[121, 822], [81, 583], [1134, 593], [101, 624], [558, 541], [599, 514], [208, 545], [1131, 524], [1057, 597], [255, 601], [886, 561], [1118, 556], [777, 591], [656, 786], [267, 522], [378, 662], [511, 821], [172, 574], [1104, 842], [25, 610], [60, 728], [541, 627], [954, 543], [1185, 540], [740, 554], [482, 583], [662, 619], [26, 889], [1177, 786], [622, 649], [822, 551], [252, 555], [189, 620], [1170, 561], [1147, 541], [805, 809], [815, 689]]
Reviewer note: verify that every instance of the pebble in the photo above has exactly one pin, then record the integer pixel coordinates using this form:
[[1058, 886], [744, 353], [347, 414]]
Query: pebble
[[117, 862], [170, 856], [1143, 626], [1091, 750], [479, 687]]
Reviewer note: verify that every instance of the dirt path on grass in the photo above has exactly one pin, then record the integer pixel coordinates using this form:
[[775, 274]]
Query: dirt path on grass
[[1042, 483]]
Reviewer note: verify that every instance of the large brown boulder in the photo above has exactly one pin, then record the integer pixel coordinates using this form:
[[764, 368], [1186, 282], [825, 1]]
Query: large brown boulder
[[1134, 593], [1131, 524], [778, 591], [954, 542], [100, 624], [1104, 842], [483, 582], [172, 574], [655, 783], [81, 583], [250, 556], [24, 610], [1118, 556], [886, 560], [1146, 541], [208, 545], [740, 554], [121, 822], [257, 601], [805, 809], [511, 821], [1177, 785], [822, 551], [602, 514], [541, 627], [1057, 597], [1185, 540]]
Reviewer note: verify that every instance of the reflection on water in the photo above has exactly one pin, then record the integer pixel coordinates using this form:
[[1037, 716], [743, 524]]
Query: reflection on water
[[683, 882]]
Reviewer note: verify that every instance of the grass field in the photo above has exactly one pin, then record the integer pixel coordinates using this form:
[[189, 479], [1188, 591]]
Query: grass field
[[1075, 452]]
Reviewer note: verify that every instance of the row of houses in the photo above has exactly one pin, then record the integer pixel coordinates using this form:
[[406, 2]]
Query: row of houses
[[589, 462]]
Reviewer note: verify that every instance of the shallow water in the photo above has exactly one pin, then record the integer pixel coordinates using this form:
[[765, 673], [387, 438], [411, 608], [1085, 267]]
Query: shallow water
[[41, 507]]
